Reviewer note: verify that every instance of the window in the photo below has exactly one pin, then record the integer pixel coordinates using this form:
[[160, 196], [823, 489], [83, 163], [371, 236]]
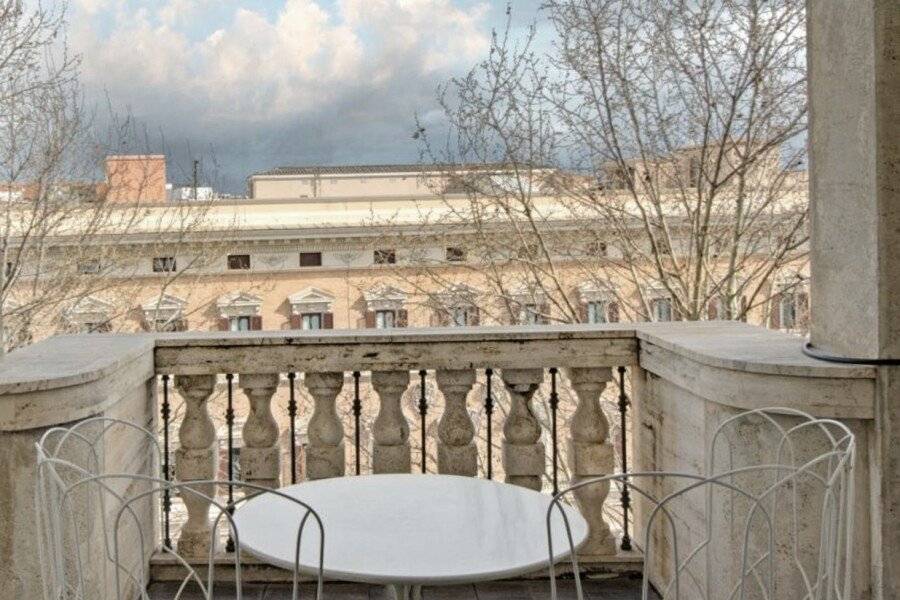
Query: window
[[787, 310], [596, 249], [310, 259], [530, 314], [103, 327], [311, 321], [693, 172], [662, 309], [596, 312], [89, 267], [169, 325], [238, 261], [462, 316], [385, 319], [164, 264], [239, 323], [385, 257], [455, 254]]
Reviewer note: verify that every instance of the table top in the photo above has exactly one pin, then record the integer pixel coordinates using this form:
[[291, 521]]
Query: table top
[[409, 529]]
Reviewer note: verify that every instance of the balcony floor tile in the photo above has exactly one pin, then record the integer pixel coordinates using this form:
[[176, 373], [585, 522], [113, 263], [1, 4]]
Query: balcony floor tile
[[618, 588]]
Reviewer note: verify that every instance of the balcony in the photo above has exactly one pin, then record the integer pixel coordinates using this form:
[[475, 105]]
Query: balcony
[[480, 401]]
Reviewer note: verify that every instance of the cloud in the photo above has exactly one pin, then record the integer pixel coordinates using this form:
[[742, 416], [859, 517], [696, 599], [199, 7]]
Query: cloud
[[347, 75]]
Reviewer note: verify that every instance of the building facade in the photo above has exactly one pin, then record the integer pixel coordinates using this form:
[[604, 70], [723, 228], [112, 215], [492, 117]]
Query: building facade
[[348, 254]]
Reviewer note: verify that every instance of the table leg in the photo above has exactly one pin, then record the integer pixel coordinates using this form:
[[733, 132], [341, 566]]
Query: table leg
[[406, 592]]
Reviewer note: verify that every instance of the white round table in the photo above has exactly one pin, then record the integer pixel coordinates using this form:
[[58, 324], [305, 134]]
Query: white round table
[[406, 531]]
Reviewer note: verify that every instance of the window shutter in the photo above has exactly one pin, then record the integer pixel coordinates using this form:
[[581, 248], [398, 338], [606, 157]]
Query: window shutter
[[402, 318], [474, 317], [328, 320], [775, 312], [583, 312], [146, 325], [370, 319], [712, 309], [255, 323], [296, 321], [223, 324], [612, 312], [180, 325]]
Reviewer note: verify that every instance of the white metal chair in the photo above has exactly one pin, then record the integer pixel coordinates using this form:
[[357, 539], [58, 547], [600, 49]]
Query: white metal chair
[[772, 522], [92, 538]]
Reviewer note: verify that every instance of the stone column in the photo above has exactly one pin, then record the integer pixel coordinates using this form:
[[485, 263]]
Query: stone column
[[457, 454], [854, 139], [591, 455], [523, 452], [325, 453], [260, 454], [390, 432], [196, 459]]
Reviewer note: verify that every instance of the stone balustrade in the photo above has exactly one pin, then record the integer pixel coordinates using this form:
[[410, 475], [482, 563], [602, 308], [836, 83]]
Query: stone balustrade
[[680, 373], [393, 363]]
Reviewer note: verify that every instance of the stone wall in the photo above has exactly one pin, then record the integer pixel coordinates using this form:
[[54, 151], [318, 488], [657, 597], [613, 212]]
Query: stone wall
[[673, 428], [58, 383]]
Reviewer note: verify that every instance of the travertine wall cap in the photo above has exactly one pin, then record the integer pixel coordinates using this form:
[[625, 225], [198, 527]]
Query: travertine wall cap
[[67, 360], [741, 347]]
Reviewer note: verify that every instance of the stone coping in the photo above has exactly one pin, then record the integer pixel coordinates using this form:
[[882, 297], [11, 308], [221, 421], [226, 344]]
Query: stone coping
[[67, 360], [78, 360], [432, 335], [741, 347]]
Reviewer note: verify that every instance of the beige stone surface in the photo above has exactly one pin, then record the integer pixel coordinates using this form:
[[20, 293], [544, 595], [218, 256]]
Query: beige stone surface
[[673, 428], [690, 357]]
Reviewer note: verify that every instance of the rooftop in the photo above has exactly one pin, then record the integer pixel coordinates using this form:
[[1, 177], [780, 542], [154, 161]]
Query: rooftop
[[379, 169]]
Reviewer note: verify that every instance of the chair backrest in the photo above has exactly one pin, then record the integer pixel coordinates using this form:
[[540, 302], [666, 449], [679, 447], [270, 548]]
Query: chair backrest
[[771, 516], [97, 529]]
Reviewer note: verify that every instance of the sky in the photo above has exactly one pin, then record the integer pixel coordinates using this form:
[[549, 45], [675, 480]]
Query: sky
[[246, 85]]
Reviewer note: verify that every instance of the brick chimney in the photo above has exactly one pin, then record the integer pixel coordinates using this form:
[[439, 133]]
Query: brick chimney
[[136, 178]]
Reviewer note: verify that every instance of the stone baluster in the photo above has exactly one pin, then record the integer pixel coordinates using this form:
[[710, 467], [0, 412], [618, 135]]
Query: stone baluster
[[523, 450], [457, 454], [390, 447], [591, 455], [325, 453], [196, 460], [260, 454]]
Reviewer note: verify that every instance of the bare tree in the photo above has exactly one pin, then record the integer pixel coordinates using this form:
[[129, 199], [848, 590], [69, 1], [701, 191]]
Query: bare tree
[[650, 151], [69, 237]]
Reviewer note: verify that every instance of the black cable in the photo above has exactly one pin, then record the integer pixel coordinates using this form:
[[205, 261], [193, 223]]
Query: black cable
[[811, 351]]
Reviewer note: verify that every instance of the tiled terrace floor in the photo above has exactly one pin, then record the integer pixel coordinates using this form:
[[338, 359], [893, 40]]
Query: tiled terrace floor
[[617, 588]]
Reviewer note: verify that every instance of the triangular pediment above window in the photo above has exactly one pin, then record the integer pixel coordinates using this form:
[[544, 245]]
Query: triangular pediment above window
[[238, 298], [593, 291], [239, 304], [310, 295], [657, 292], [91, 309], [310, 300], [165, 307], [384, 297], [459, 294], [163, 302], [526, 294]]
